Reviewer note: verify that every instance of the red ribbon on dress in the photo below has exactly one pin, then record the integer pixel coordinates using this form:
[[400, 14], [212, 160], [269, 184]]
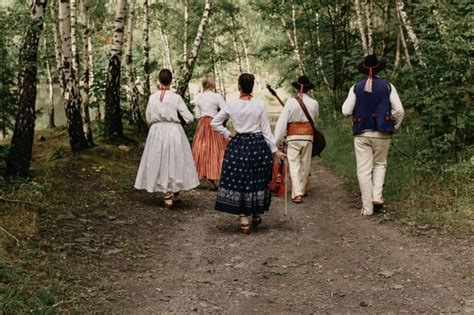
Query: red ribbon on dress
[[163, 92]]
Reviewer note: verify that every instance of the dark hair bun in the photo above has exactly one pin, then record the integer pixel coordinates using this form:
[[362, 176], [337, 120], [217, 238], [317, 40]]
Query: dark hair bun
[[165, 76], [246, 82]]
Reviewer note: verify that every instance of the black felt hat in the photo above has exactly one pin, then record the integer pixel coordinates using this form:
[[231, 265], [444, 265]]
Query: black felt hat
[[303, 82], [371, 62]]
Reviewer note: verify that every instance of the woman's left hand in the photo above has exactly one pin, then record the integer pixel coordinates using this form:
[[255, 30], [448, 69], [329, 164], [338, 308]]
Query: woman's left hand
[[280, 155]]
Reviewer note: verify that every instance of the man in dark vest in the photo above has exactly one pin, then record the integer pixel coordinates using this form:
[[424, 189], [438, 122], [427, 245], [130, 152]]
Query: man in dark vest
[[376, 112]]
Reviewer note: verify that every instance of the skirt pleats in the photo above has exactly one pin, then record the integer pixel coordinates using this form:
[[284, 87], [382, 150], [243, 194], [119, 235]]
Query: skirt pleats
[[246, 174], [208, 150], [167, 164]]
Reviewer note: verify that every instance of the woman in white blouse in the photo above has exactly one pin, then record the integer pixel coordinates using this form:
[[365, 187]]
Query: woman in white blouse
[[167, 164], [247, 167], [208, 145]]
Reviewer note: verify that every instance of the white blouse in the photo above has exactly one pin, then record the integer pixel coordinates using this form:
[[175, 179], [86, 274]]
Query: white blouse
[[167, 110], [208, 104], [247, 117], [292, 112]]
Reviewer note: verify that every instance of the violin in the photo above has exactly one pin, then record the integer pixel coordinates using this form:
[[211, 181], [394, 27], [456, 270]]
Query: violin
[[278, 182]]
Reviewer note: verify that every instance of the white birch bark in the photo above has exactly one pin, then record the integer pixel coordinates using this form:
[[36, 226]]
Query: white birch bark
[[295, 40], [361, 24], [396, 64], [132, 90], [51, 123], [75, 54], [368, 19], [86, 120], [238, 58], [247, 60], [113, 115], [20, 153], [71, 96], [186, 32], [320, 58], [411, 33], [146, 52], [167, 50], [195, 50]]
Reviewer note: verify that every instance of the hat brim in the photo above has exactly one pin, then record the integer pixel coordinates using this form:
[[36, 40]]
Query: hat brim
[[308, 87], [375, 70]]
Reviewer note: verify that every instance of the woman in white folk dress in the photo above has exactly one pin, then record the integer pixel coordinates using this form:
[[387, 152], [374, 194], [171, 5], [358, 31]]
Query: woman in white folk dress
[[167, 164]]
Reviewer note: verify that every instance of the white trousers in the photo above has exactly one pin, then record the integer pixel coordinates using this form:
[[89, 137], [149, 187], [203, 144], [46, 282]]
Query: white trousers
[[299, 160], [371, 151]]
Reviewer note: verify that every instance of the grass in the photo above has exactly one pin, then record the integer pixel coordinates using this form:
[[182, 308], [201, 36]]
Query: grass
[[422, 191], [35, 275]]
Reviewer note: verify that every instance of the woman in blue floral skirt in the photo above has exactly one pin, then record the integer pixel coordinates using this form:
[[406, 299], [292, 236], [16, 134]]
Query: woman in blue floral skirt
[[247, 166]]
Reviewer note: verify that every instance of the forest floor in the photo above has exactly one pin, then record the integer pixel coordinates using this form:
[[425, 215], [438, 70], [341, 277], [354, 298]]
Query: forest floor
[[124, 253]]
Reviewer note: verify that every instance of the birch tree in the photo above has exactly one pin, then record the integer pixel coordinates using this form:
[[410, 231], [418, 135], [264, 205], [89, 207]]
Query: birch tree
[[75, 55], [361, 25], [368, 19], [19, 157], [411, 33], [132, 91], [87, 61], [113, 115], [238, 59], [146, 51], [71, 95], [183, 86], [49, 76]]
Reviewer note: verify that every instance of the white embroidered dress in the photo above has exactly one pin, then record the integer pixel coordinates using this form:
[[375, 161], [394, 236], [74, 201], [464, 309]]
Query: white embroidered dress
[[167, 164]]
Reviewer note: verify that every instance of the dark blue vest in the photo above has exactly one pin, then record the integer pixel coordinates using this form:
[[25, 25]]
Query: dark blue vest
[[372, 110]]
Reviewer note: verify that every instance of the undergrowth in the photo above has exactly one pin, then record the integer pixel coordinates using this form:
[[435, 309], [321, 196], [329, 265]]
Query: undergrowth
[[426, 189]]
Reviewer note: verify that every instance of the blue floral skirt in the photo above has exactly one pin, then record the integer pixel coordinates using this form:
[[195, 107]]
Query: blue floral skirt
[[246, 174]]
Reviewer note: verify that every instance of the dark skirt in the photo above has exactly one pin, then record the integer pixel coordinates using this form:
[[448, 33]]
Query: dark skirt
[[246, 174]]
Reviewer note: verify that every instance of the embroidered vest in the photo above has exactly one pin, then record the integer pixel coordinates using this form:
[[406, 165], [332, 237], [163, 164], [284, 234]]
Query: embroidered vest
[[372, 111]]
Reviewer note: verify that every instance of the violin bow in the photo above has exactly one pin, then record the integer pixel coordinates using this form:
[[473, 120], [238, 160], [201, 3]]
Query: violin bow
[[274, 93], [286, 187]]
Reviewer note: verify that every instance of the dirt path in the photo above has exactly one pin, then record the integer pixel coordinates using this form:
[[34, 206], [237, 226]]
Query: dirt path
[[321, 258]]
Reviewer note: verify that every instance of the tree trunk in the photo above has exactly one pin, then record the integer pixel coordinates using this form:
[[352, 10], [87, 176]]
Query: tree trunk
[[57, 45], [295, 40], [396, 64], [361, 24], [146, 52], [411, 33], [75, 54], [50, 86], [220, 71], [368, 19], [71, 96], [167, 53], [247, 60], [404, 43], [186, 33], [183, 86], [113, 115], [19, 157], [85, 101], [238, 58], [386, 34], [320, 58], [132, 92]]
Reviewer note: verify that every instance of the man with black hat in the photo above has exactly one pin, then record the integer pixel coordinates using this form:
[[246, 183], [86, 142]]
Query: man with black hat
[[376, 112], [294, 123]]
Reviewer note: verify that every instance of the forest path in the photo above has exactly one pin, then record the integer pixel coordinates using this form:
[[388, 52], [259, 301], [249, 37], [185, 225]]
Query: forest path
[[322, 257]]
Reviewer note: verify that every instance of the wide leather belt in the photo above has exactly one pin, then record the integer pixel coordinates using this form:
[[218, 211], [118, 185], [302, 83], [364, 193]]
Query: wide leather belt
[[299, 129]]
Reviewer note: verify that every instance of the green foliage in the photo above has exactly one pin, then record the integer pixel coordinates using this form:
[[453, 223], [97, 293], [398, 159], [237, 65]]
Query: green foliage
[[59, 152]]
